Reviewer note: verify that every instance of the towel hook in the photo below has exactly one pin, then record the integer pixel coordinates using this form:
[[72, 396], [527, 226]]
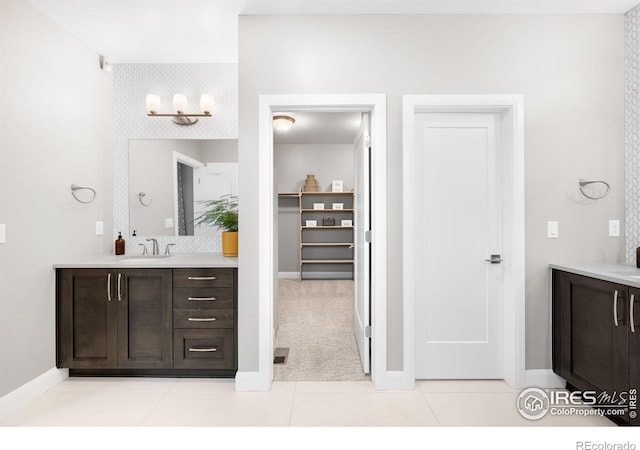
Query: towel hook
[[75, 187], [141, 195], [582, 183]]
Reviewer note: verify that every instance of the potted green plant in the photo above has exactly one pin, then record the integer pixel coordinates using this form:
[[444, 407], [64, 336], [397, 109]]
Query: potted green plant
[[223, 213]]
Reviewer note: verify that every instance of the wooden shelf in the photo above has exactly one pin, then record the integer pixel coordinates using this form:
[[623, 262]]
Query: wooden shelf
[[327, 261], [327, 228], [327, 210], [327, 244], [327, 193], [288, 194]]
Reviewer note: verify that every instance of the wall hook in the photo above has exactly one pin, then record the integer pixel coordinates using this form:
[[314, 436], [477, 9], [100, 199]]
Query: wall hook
[[582, 183], [75, 188], [141, 195]]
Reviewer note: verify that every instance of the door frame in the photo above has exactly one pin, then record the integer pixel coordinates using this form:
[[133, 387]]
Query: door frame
[[375, 104], [513, 317]]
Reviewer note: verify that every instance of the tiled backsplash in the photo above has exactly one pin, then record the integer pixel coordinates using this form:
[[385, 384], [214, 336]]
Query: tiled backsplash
[[131, 84]]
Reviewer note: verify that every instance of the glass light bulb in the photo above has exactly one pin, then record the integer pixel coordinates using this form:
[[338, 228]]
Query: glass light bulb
[[153, 104], [206, 104], [180, 103]]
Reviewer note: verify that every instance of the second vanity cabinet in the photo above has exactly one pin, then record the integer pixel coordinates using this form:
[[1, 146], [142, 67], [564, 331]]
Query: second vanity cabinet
[[147, 321], [596, 335]]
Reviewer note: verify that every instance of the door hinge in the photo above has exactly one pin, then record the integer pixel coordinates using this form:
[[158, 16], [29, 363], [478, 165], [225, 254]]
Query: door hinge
[[367, 140], [368, 236], [367, 331]]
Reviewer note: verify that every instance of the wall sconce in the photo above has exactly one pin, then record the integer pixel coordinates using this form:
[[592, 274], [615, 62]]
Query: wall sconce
[[283, 123], [180, 106]]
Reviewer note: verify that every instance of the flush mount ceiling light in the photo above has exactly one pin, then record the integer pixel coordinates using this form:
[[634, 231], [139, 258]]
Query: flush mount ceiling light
[[180, 106], [283, 123]]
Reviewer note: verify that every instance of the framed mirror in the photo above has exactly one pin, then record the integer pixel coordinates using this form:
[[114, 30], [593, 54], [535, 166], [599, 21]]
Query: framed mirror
[[170, 178]]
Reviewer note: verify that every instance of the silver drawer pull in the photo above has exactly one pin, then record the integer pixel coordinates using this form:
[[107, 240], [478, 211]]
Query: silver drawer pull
[[632, 314], [615, 308], [202, 278], [202, 299], [201, 319], [203, 349], [109, 286]]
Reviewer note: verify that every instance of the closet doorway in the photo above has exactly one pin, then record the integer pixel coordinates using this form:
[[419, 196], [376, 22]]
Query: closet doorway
[[321, 167], [373, 333]]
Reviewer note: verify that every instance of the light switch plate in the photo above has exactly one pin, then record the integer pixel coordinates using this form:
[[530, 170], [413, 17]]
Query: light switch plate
[[552, 229], [3, 233], [614, 228], [99, 228], [168, 223]]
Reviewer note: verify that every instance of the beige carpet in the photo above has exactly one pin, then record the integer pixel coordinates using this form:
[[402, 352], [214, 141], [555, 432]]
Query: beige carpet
[[316, 324]]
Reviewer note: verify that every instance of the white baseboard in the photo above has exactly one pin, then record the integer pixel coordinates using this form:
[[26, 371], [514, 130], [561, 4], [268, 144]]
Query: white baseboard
[[289, 275], [395, 380], [543, 378], [316, 275], [251, 382], [30, 390]]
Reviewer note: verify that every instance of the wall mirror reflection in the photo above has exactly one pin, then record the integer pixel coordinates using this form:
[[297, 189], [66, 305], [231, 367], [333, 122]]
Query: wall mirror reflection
[[170, 178]]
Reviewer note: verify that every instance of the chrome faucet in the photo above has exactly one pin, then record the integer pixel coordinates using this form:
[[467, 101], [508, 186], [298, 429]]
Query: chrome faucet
[[155, 250]]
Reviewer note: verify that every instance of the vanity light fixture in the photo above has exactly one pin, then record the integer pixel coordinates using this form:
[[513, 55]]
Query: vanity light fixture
[[180, 106], [283, 122]]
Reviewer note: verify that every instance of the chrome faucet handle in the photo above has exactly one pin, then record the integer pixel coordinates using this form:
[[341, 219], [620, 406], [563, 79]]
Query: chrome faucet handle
[[166, 250], [144, 249]]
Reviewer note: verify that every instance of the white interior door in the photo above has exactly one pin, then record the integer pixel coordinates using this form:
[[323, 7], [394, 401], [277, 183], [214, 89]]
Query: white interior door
[[362, 223], [458, 208], [211, 182]]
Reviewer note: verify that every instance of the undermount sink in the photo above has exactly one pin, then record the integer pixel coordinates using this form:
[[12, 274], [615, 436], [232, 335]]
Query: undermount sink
[[145, 258]]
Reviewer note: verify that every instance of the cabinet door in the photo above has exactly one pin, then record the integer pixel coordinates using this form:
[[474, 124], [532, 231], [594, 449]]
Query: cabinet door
[[593, 333], [144, 318], [634, 353], [87, 312]]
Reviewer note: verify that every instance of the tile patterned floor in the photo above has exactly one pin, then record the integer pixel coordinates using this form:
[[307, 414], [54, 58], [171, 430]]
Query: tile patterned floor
[[149, 402]]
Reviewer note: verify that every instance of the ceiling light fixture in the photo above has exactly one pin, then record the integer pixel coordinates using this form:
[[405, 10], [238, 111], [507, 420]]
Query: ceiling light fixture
[[283, 123], [180, 106]]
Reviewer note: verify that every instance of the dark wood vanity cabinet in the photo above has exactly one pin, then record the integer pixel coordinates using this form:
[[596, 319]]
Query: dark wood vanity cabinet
[[113, 319], [204, 319], [147, 321], [595, 348]]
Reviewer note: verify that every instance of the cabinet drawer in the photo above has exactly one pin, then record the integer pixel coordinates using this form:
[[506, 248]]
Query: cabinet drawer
[[203, 277], [203, 349], [203, 318], [203, 298]]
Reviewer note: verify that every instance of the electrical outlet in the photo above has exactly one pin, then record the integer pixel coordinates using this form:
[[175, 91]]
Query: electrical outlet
[[168, 222], [552, 229], [614, 228], [99, 228], [3, 233]]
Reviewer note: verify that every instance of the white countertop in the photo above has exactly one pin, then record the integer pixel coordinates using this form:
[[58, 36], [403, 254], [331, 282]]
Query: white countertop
[[179, 260], [626, 274]]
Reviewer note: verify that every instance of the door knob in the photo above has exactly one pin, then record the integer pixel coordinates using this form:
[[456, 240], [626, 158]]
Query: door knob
[[495, 259]]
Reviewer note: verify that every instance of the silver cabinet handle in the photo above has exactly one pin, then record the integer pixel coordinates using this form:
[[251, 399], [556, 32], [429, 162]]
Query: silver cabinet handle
[[203, 349], [202, 299], [615, 308], [631, 314], [119, 287], [201, 278], [109, 286], [201, 319]]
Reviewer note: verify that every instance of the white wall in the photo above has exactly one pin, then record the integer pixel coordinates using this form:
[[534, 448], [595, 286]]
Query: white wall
[[570, 70], [55, 130]]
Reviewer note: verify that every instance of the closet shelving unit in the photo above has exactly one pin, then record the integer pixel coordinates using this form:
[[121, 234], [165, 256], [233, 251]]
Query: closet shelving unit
[[338, 248]]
